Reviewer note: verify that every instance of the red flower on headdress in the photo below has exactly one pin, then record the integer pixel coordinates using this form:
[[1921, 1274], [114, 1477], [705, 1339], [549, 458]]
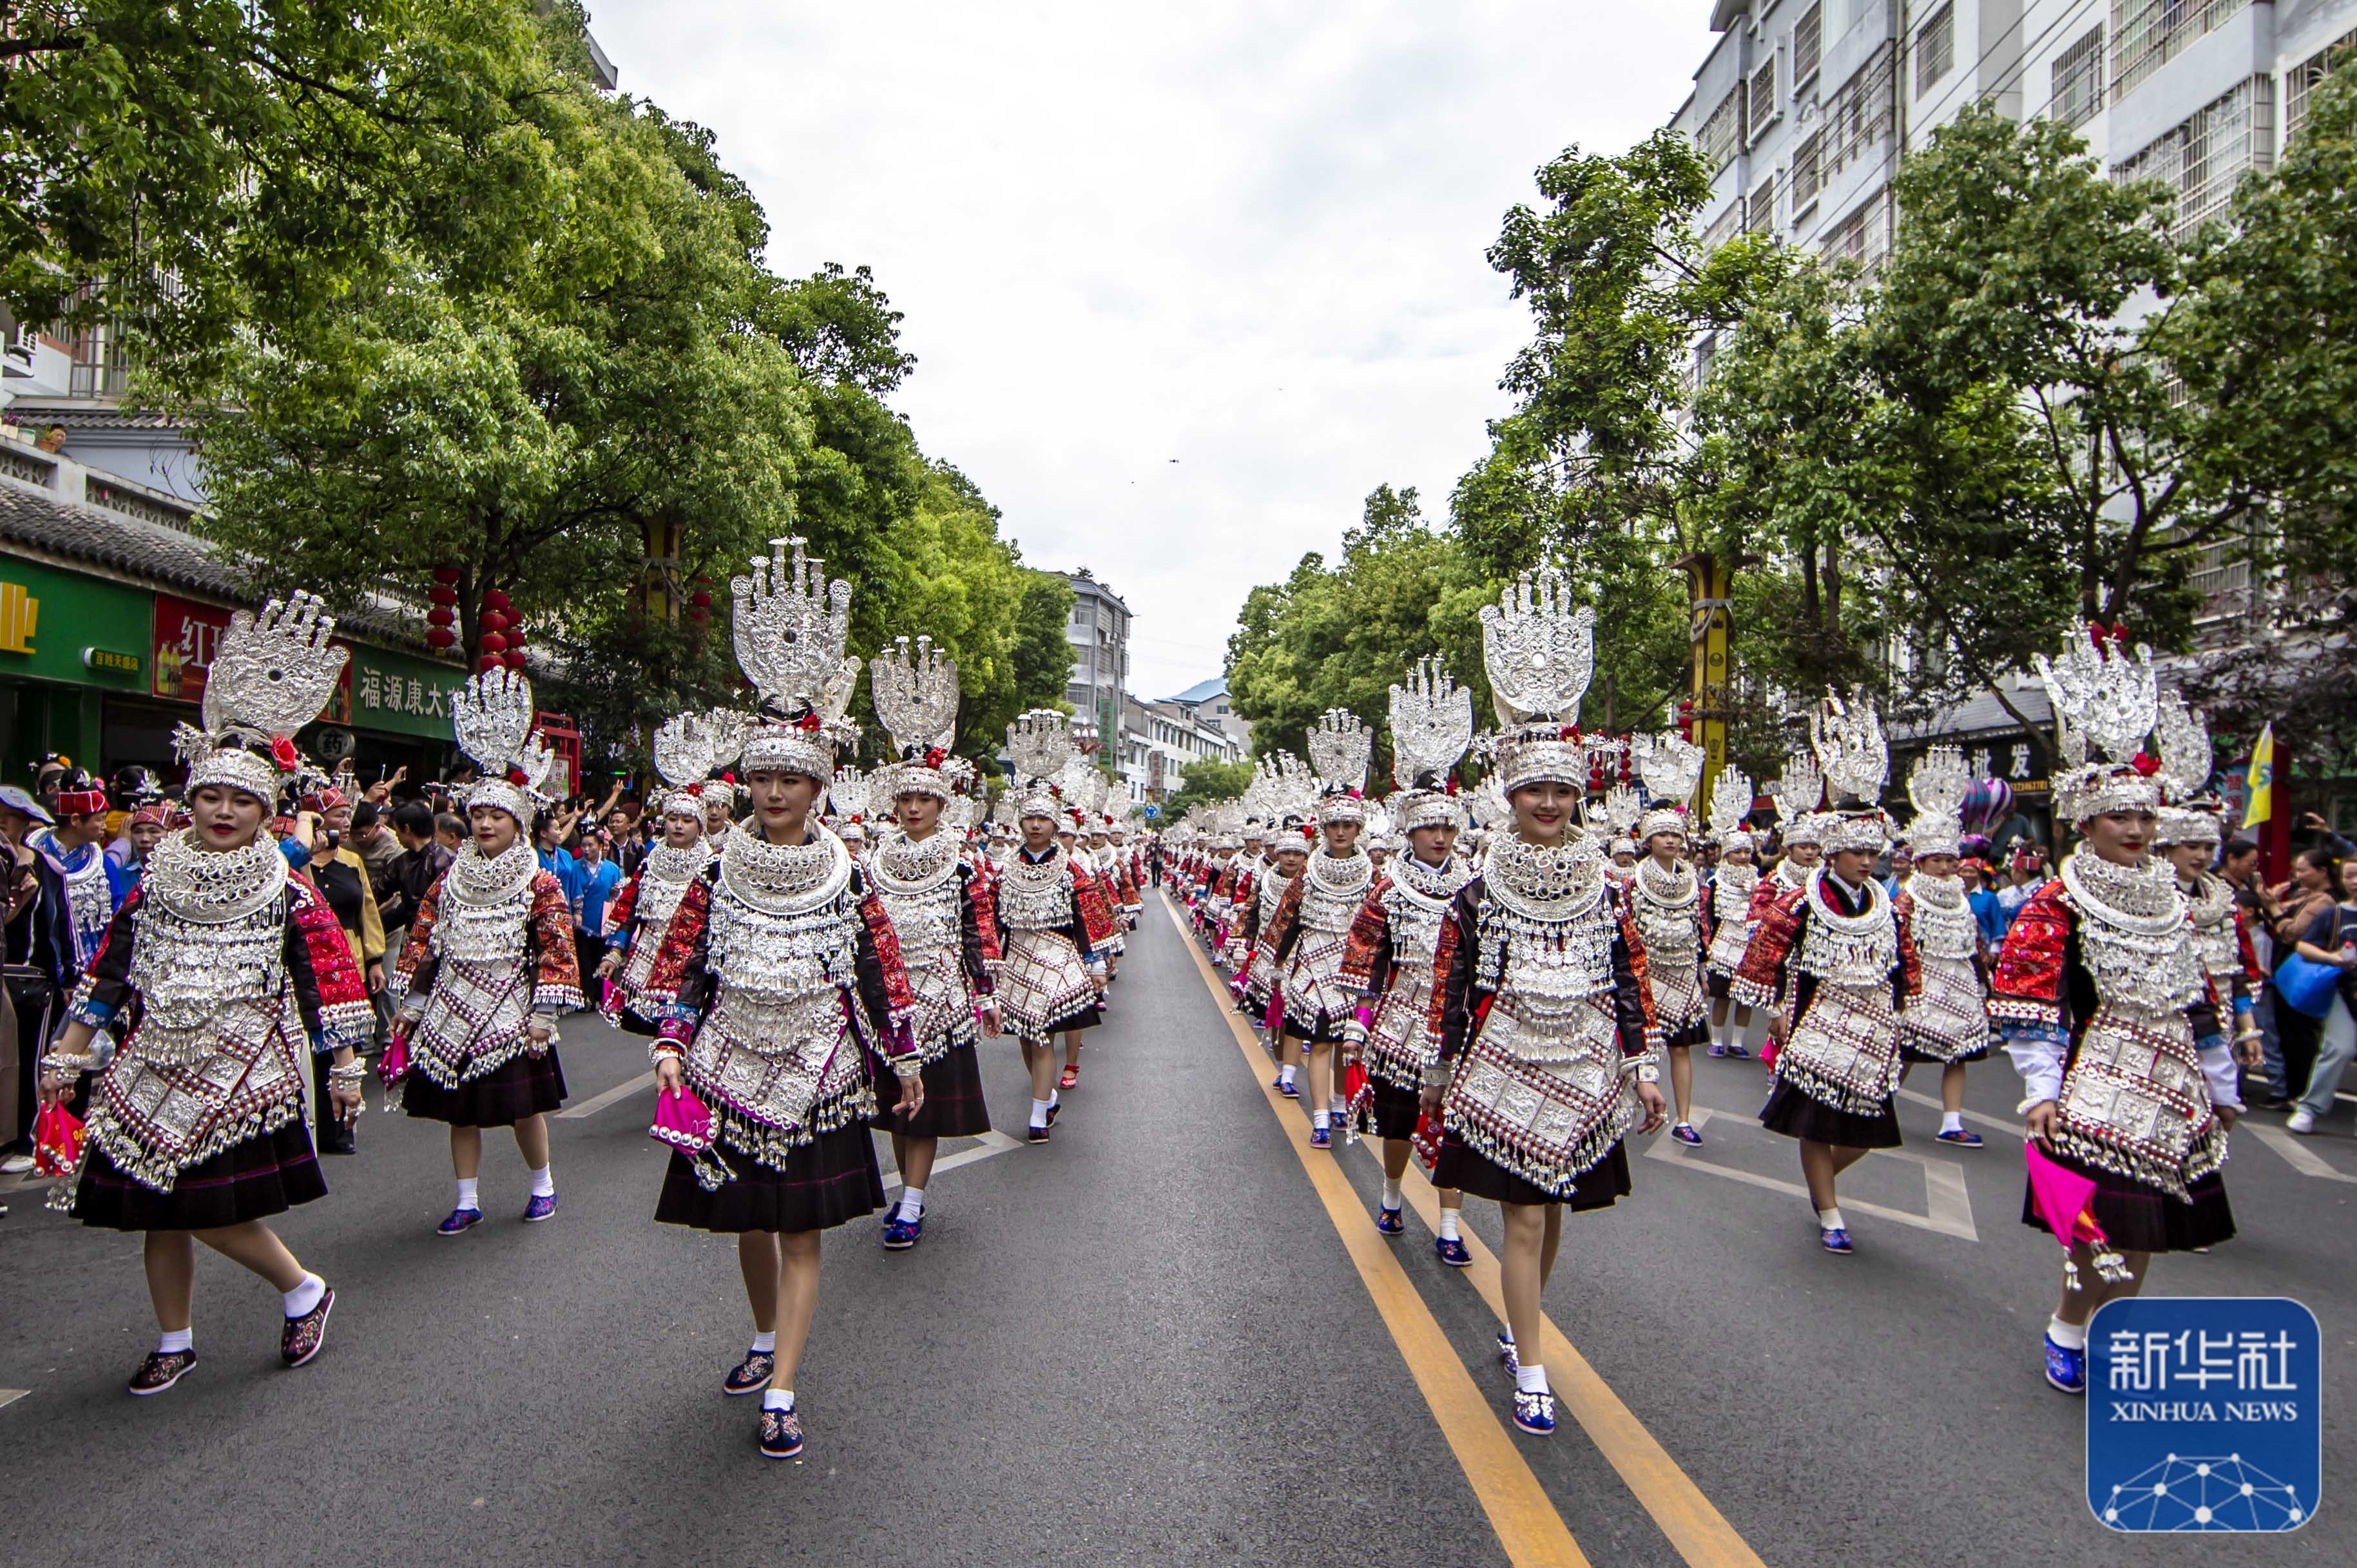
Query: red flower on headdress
[[1451, 788], [2146, 766], [1354, 793], [283, 752], [517, 777], [807, 724], [935, 757], [1568, 731]]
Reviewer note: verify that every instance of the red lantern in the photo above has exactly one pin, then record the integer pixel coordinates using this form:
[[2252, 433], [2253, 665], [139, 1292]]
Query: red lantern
[[487, 663], [700, 600], [440, 615], [513, 658], [495, 600], [442, 594], [493, 642], [440, 637], [445, 573], [515, 637], [494, 621]]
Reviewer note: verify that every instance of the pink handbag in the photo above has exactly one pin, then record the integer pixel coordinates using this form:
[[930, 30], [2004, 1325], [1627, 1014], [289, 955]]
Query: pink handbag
[[685, 1122]]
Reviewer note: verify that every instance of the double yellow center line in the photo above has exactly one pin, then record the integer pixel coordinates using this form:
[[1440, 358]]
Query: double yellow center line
[[1530, 1530]]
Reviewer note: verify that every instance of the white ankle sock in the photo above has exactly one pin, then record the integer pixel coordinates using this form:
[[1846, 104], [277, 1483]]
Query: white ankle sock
[[1284, 1076], [1039, 1113], [1055, 1097], [1318, 1117], [2070, 1336], [1951, 1121], [544, 1181], [777, 1398], [305, 1296], [466, 1198], [766, 1344], [1337, 1104], [1830, 1219], [1531, 1379], [1395, 1194], [1448, 1224], [912, 1203], [172, 1341]]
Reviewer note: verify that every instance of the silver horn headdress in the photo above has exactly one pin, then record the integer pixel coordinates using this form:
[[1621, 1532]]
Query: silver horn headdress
[[1340, 747], [1937, 785], [1847, 739], [1038, 744], [270, 676], [790, 624], [491, 718], [1671, 767], [2189, 813], [1540, 654], [1432, 724], [1731, 803], [2103, 698]]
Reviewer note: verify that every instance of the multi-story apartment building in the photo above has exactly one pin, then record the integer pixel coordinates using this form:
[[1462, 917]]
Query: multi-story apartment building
[[1098, 629]]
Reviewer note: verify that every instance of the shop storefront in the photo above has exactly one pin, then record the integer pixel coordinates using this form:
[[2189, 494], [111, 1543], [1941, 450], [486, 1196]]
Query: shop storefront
[[70, 647]]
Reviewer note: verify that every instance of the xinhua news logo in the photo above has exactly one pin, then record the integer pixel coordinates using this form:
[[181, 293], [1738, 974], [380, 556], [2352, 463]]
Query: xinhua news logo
[[2202, 1414]]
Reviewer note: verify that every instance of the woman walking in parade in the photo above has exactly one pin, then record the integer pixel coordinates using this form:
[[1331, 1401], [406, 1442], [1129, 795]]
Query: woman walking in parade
[[1052, 920], [1833, 966], [1732, 883], [942, 908], [489, 963], [1396, 936], [1313, 923], [221, 973], [1666, 896], [778, 975], [2109, 1013], [1546, 1054], [1946, 1021], [685, 749]]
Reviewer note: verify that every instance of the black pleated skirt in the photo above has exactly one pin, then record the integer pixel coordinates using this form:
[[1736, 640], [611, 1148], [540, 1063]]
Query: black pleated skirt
[[1697, 1033], [1908, 1053], [2140, 1218], [1797, 1115], [265, 1175], [1475, 1176], [1396, 1111], [828, 1182], [520, 1087], [953, 1105]]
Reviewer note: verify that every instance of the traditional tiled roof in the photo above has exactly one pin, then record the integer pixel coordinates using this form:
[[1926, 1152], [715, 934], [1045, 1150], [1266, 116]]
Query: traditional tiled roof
[[86, 413]]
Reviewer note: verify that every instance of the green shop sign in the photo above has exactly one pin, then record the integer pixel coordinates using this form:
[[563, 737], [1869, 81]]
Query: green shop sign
[[399, 692], [59, 626]]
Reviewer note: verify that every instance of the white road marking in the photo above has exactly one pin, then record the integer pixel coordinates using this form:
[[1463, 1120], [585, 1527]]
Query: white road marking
[[613, 1096], [1948, 1208], [2296, 1154], [991, 1143], [10, 1396]]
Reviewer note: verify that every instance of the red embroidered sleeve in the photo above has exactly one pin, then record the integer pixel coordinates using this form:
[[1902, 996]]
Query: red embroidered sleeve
[[338, 998], [416, 970], [2252, 974], [983, 888], [897, 989], [1358, 948], [1097, 918], [557, 983], [1759, 978], [1444, 962], [2027, 986], [682, 939], [1910, 963], [619, 912], [1635, 944], [1280, 923]]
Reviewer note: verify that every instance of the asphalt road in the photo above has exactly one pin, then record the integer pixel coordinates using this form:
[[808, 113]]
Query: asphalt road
[[1145, 1342]]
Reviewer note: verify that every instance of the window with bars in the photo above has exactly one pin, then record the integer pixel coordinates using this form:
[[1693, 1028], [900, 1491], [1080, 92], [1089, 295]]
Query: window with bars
[[2203, 159], [2078, 80], [2149, 34], [1722, 134], [1935, 48], [1759, 211], [1762, 107], [1864, 236], [1808, 177], [1808, 42], [1860, 116], [1724, 227], [2220, 576], [2307, 76]]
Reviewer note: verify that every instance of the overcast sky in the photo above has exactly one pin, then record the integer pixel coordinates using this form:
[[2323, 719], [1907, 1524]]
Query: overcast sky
[[1246, 237]]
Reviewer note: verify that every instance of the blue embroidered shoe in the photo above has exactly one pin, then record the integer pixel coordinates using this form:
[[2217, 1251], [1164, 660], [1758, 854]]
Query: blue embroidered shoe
[[1289, 1090], [1534, 1414], [1320, 1138], [1508, 1354], [1738, 1048], [900, 1234], [1037, 1135], [540, 1209], [1684, 1133], [749, 1376], [1718, 1047], [1961, 1139], [1835, 1240], [1389, 1222], [781, 1434], [461, 1220], [1055, 1109], [1453, 1252], [2066, 1369]]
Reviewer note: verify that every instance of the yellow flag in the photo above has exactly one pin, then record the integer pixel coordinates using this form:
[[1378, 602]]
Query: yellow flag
[[2259, 789]]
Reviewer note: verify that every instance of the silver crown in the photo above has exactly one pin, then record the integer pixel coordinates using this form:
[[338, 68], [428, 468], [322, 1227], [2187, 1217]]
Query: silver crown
[[2101, 696], [270, 676], [688, 747], [1847, 739], [491, 719], [916, 694], [1339, 746], [1730, 801], [1671, 767], [1038, 743], [1937, 785], [1620, 808], [790, 626], [1432, 724], [2186, 757], [1799, 792], [1539, 652]]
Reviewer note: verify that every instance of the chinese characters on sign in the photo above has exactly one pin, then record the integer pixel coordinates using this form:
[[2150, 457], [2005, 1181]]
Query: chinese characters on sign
[[2202, 1414]]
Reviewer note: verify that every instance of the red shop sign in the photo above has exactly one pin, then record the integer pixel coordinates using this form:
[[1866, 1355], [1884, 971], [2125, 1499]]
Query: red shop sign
[[188, 634]]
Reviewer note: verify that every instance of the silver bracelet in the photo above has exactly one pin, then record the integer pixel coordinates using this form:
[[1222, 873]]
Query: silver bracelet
[[63, 1065], [350, 1075]]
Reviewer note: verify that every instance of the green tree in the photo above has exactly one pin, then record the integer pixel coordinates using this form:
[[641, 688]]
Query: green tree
[[1206, 782]]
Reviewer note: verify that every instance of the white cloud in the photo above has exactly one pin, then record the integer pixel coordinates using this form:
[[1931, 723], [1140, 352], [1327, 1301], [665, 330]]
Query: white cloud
[[1247, 236]]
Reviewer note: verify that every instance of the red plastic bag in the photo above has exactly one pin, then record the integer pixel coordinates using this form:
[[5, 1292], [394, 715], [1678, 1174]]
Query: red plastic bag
[[57, 1142]]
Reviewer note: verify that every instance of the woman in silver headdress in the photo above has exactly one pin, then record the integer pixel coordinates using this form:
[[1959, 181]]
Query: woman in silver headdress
[[778, 975], [489, 963], [1311, 931], [1547, 1051], [1946, 1022], [221, 973]]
